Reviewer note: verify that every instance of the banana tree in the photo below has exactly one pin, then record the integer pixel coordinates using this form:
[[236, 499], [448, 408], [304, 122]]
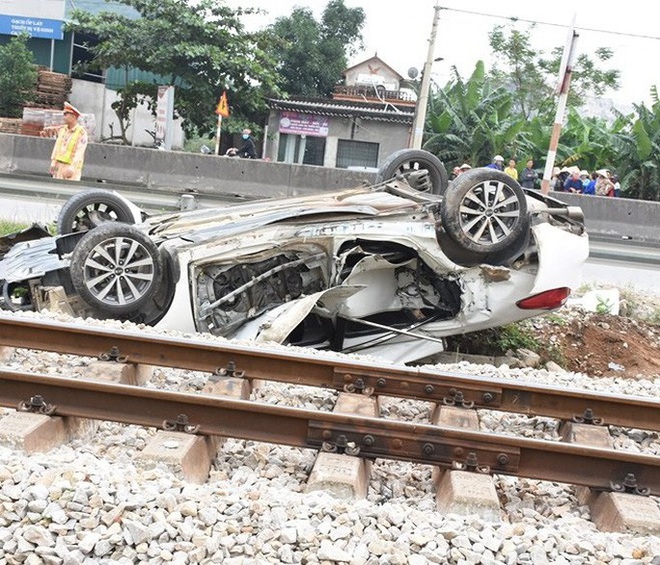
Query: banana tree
[[470, 121], [638, 153]]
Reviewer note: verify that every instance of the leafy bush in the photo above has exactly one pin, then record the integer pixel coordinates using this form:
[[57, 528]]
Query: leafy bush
[[514, 336], [18, 77]]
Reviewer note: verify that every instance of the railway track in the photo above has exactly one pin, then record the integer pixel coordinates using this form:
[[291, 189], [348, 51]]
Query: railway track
[[443, 446], [329, 371]]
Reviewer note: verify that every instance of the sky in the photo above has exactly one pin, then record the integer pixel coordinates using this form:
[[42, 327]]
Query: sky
[[399, 32]]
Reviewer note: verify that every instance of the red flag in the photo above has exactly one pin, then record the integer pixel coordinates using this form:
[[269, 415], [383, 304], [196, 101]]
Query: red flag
[[223, 106]]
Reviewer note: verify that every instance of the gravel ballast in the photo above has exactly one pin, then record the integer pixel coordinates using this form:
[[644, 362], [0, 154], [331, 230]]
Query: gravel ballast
[[92, 501]]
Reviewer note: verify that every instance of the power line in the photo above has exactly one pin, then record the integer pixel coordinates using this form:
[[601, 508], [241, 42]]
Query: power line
[[515, 19]]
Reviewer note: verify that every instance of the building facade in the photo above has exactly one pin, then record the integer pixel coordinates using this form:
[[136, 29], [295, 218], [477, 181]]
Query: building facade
[[368, 117]]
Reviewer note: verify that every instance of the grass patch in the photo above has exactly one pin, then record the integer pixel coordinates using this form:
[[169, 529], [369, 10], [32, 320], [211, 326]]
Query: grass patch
[[639, 307], [496, 342], [514, 336], [654, 318], [556, 319], [7, 227]]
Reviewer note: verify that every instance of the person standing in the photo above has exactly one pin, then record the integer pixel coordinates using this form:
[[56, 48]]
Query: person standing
[[498, 163], [529, 176], [460, 170], [556, 180], [589, 184], [604, 186], [617, 185], [511, 169], [68, 155]]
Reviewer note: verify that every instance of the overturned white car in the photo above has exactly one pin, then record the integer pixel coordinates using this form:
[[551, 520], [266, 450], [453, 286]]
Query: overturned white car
[[386, 270]]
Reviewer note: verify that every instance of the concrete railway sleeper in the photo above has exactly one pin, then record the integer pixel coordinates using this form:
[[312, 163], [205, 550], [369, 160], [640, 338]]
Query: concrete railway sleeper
[[370, 438], [333, 372]]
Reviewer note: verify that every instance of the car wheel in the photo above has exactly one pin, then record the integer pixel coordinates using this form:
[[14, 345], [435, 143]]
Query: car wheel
[[87, 210], [116, 269], [485, 211], [422, 170]]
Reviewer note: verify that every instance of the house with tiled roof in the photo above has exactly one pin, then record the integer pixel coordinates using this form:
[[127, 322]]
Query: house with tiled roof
[[368, 117]]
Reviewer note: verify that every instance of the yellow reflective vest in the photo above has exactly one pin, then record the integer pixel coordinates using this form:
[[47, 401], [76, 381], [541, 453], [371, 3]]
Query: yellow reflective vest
[[65, 146]]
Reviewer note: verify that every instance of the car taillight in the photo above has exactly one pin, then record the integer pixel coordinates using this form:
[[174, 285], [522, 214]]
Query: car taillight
[[548, 300]]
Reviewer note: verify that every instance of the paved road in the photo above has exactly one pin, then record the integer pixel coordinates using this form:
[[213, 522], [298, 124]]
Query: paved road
[[642, 276], [44, 196], [25, 210]]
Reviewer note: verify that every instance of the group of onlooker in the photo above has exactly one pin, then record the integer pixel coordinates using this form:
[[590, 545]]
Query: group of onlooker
[[528, 177], [600, 182]]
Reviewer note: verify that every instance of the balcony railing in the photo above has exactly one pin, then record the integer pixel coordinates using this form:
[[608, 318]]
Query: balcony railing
[[373, 93]]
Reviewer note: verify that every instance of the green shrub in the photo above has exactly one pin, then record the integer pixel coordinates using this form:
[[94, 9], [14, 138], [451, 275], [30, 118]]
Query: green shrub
[[18, 77], [514, 336]]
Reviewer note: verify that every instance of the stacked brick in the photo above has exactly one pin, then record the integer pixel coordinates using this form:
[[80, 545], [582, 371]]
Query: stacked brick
[[35, 119]]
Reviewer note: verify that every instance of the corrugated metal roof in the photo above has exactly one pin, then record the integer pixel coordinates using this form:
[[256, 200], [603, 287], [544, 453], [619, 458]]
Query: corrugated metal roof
[[345, 109]]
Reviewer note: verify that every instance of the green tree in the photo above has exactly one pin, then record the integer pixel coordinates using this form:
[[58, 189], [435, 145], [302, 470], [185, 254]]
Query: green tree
[[130, 97], [312, 55], [638, 152], [510, 110], [588, 142], [18, 77], [532, 77], [201, 48], [470, 121]]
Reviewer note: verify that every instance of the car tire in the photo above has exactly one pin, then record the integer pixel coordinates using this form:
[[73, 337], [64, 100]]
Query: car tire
[[485, 211], [89, 209], [116, 269], [422, 170]]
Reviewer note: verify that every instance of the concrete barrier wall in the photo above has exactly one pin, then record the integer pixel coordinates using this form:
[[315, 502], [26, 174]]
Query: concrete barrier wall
[[180, 172], [617, 217], [6, 151]]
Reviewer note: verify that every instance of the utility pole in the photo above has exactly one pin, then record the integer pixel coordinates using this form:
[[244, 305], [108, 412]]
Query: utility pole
[[422, 100], [565, 72]]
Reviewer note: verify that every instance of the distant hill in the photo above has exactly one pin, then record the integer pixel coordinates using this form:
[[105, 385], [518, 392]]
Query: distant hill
[[604, 108]]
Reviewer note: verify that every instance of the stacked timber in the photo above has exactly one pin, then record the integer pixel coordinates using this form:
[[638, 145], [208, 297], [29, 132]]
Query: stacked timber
[[53, 89], [50, 93], [10, 125]]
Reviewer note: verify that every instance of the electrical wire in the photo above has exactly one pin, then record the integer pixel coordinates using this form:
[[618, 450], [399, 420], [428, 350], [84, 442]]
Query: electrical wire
[[515, 19]]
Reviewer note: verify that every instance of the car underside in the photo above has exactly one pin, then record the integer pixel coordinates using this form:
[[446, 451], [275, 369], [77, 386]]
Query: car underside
[[385, 270]]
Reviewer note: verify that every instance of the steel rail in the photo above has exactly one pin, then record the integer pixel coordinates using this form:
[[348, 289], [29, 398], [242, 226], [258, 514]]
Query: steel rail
[[329, 371], [370, 437]]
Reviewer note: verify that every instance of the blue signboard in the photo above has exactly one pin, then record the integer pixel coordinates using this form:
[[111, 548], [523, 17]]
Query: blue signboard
[[34, 27]]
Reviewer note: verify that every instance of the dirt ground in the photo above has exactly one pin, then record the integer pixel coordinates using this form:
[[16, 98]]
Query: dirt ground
[[596, 344], [601, 344]]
